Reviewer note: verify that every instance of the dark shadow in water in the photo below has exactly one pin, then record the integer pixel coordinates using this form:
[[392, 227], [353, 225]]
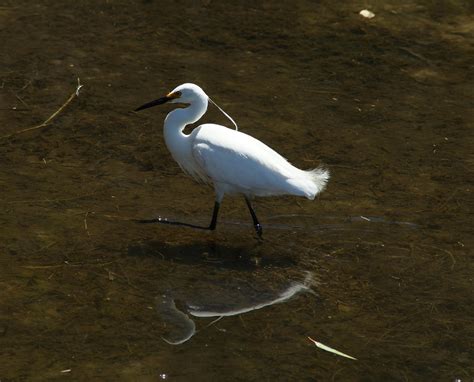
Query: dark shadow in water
[[242, 257]]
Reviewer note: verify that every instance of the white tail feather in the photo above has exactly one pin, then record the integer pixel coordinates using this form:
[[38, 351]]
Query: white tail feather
[[319, 177], [310, 183]]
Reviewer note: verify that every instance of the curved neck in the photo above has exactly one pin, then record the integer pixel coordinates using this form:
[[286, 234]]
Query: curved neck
[[175, 122], [179, 118]]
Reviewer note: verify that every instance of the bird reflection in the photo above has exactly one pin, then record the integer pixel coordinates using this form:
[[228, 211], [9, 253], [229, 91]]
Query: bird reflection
[[230, 300], [212, 280]]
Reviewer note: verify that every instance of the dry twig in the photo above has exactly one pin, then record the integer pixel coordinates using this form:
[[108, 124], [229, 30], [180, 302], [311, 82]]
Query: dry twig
[[54, 115]]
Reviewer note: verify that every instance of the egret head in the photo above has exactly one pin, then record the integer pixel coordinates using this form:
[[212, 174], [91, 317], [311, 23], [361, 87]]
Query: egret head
[[186, 94]]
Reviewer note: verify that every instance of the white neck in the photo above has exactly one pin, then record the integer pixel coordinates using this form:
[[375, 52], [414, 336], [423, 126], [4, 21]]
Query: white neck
[[177, 142]]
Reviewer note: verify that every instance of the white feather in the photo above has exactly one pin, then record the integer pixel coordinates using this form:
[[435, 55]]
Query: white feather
[[239, 163]]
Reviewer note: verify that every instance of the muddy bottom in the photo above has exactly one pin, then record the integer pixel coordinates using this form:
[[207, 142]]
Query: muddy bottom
[[379, 267]]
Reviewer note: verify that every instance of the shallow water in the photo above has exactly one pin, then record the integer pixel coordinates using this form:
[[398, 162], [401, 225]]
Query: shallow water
[[384, 254]]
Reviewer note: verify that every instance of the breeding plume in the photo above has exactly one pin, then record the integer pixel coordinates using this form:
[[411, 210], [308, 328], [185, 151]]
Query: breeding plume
[[229, 160]]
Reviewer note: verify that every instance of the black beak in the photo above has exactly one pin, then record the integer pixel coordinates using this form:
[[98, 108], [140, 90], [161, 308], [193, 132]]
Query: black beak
[[159, 101]]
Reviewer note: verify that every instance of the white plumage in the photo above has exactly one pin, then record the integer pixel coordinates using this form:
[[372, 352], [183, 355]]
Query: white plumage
[[232, 161], [239, 163]]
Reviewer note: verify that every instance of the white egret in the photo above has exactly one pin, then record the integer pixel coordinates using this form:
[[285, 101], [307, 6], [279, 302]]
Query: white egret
[[229, 160]]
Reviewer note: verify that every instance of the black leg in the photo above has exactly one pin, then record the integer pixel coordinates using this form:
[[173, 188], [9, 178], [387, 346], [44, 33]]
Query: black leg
[[212, 225], [256, 224]]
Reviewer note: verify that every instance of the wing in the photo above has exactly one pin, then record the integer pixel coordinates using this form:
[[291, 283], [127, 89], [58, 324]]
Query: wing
[[241, 161]]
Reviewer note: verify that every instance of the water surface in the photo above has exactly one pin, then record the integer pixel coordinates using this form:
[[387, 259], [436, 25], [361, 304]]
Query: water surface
[[384, 254]]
